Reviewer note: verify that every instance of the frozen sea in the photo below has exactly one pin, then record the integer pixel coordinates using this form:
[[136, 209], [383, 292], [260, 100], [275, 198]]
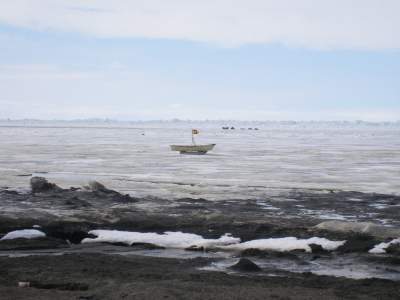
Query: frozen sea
[[135, 157]]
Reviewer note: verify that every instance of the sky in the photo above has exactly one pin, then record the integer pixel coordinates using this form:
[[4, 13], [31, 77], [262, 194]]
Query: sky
[[209, 59]]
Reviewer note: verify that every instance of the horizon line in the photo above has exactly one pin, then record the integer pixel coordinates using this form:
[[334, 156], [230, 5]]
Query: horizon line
[[177, 120]]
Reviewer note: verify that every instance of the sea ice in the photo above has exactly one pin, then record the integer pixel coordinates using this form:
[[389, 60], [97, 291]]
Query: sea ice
[[24, 233], [245, 164]]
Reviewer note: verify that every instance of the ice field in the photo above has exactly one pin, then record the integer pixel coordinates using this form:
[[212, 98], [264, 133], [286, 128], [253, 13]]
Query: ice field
[[246, 163]]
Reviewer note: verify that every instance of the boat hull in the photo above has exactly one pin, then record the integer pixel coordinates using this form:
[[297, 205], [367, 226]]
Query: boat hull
[[193, 149]]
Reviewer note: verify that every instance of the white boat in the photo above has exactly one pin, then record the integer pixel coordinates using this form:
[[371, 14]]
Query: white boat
[[194, 148]]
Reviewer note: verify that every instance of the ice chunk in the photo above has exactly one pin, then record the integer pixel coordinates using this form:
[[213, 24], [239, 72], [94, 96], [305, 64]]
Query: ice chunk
[[178, 240], [286, 244], [381, 248], [24, 233], [226, 242]]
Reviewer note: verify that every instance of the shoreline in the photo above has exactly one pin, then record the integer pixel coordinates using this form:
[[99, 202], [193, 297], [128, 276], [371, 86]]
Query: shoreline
[[67, 215], [96, 276]]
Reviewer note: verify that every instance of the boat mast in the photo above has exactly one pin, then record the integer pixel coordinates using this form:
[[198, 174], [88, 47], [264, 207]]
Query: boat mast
[[193, 132]]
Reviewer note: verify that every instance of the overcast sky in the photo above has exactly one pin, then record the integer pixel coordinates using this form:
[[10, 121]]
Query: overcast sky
[[208, 59]]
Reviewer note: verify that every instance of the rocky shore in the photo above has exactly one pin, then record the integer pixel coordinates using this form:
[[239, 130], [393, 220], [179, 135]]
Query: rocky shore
[[59, 266], [99, 276]]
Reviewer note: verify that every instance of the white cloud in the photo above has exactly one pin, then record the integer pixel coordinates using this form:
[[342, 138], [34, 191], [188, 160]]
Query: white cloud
[[55, 92], [332, 24], [42, 72]]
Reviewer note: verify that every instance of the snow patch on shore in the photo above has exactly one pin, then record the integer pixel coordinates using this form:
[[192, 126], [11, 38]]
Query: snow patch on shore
[[286, 244], [24, 233], [381, 248], [178, 240]]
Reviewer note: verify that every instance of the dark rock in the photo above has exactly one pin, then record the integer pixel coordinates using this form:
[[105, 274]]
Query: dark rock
[[146, 246], [268, 254], [120, 244], [299, 251], [90, 236], [76, 237], [124, 198], [245, 265], [254, 252], [74, 232], [98, 190], [317, 248], [358, 243], [95, 186], [32, 244], [40, 185], [195, 248], [393, 249], [75, 202]]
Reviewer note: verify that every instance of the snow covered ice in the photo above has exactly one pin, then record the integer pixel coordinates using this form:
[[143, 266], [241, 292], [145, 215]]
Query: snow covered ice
[[177, 240], [24, 233], [226, 242], [245, 164], [286, 244], [381, 248]]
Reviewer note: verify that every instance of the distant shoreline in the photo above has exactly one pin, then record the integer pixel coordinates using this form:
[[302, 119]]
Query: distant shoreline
[[104, 123]]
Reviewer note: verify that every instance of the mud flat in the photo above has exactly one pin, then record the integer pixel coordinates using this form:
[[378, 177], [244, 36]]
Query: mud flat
[[71, 259]]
